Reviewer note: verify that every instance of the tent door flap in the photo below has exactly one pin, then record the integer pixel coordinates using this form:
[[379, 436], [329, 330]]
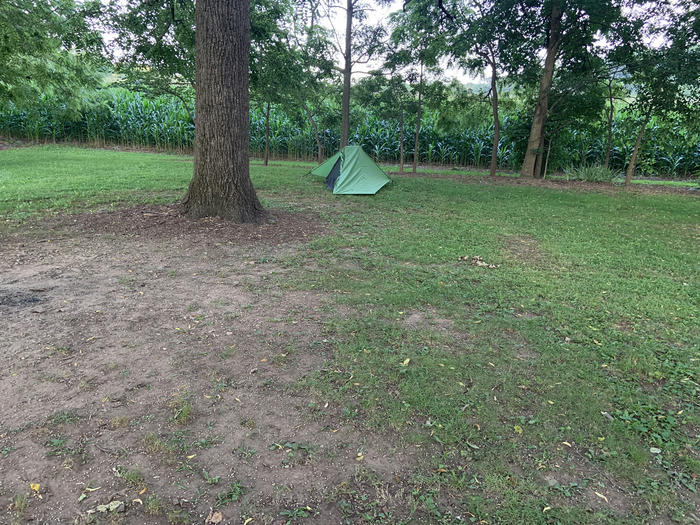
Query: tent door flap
[[333, 175]]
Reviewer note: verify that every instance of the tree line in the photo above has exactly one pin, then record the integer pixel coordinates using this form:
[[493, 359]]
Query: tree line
[[568, 60]]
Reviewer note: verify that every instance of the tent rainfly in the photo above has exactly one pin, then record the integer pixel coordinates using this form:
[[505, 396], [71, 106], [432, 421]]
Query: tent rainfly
[[351, 172]]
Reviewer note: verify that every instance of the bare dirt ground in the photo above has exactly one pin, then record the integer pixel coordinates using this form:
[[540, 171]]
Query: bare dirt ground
[[153, 362]]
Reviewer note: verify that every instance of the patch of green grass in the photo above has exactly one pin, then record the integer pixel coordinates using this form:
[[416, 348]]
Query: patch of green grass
[[182, 407], [57, 446], [18, 506], [233, 493], [132, 477], [153, 505], [171, 445], [63, 417], [56, 178], [211, 480], [591, 311]]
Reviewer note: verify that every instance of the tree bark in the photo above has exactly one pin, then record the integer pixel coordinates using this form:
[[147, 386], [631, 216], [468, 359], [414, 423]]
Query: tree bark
[[635, 151], [267, 134], [546, 162], [315, 128], [537, 173], [496, 122], [401, 154], [610, 112], [416, 146], [347, 74], [221, 184], [538, 120]]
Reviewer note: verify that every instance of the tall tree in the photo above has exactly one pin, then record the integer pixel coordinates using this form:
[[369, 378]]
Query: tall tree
[[665, 76], [388, 95], [566, 29], [487, 35], [315, 61], [359, 44], [416, 47], [221, 184]]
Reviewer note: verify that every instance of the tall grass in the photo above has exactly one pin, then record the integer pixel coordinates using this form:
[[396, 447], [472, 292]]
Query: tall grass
[[118, 116]]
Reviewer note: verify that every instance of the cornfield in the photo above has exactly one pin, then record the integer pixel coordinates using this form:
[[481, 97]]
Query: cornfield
[[121, 117]]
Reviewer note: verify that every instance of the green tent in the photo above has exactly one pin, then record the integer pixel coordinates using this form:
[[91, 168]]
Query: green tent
[[351, 171]]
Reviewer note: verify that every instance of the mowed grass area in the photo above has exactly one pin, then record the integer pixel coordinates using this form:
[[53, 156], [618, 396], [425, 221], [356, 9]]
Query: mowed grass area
[[559, 387]]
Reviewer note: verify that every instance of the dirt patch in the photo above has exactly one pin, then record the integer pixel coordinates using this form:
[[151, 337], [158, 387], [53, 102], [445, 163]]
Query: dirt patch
[[525, 250], [577, 480], [565, 185], [155, 361], [163, 222], [420, 320]]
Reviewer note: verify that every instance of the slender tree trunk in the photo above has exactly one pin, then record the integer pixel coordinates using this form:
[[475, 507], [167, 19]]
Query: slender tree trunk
[[496, 122], [267, 134], [416, 146], [221, 182], [635, 151], [319, 149], [401, 154], [537, 173], [538, 120], [546, 162], [610, 112], [347, 73]]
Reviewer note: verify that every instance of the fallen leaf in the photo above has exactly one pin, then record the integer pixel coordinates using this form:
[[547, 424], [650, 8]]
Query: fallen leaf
[[109, 507], [546, 509], [406, 361], [601, 497], [137, 500], [566, 443], [143, 490], [251, 519]]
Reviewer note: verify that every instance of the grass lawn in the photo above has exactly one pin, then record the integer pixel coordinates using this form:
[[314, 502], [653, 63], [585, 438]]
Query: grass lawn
[[559, 387]]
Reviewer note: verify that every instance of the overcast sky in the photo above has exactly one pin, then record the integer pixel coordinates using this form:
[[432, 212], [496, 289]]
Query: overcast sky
[[380, 14]]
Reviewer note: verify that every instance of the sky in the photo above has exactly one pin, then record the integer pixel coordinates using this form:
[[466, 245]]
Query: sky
[[380, 14]]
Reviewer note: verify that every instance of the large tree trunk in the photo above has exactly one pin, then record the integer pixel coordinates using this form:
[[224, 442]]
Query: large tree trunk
[[416, 146], [610, 111], [635, 151], [401, 154], [347, 73], [315, 128], [496, 122], [267, 134], [221, 183], [535, 140]]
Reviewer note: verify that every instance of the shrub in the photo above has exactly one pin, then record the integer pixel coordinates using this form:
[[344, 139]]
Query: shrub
[[591, 173]]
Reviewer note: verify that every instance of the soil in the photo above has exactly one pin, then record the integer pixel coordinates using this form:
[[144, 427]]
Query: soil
[[156, 360]]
